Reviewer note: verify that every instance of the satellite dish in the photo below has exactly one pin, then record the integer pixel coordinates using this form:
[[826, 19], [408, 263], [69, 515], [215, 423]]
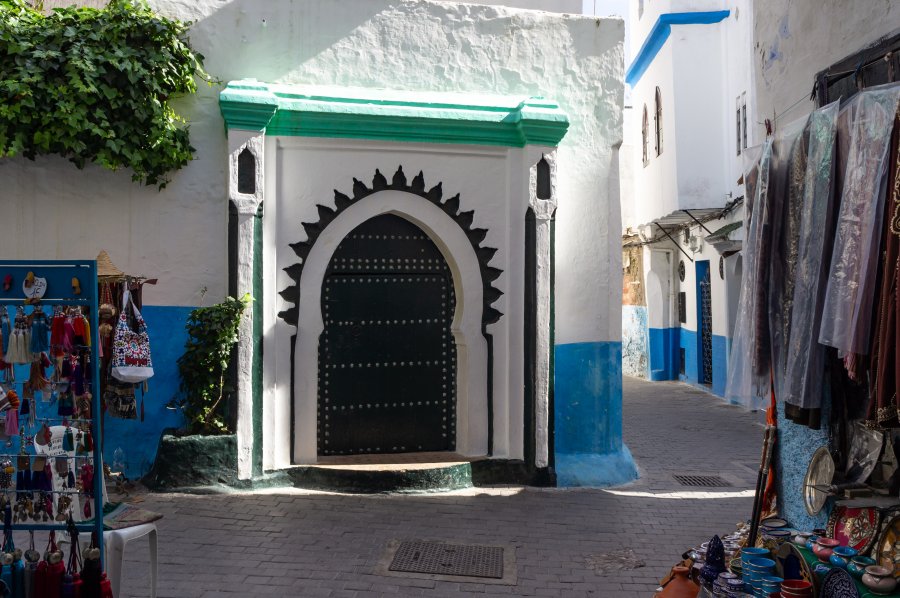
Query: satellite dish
[[817, 483]]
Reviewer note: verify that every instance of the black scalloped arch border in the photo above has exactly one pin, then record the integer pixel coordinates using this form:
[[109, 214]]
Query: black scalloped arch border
[[450, 206]]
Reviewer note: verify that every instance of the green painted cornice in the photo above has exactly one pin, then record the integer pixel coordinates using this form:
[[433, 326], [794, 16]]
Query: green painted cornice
[[304, 111], [247, 105]]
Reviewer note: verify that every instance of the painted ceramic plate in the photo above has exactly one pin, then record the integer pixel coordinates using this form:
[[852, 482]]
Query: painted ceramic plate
[[790, 564], [819, 475], [887, 550], [854, 527], [838, 584]]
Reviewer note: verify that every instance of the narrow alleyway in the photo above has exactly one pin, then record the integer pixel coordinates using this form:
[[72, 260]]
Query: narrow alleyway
[[300, 543]]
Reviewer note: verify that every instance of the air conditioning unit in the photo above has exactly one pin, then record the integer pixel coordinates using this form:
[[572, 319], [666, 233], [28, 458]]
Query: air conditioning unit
[[695, 243]]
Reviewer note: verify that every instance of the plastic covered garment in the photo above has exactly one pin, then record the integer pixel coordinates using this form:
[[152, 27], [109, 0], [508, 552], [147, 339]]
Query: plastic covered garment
[[803, 356], [748, 367], [849, 297], [787, 175]]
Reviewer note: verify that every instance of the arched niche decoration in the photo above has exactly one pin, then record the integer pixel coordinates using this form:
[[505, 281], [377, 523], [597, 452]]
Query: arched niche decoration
[[398, 182]]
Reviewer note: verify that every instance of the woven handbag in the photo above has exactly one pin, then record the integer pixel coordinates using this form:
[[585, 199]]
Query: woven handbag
[[131, 360]]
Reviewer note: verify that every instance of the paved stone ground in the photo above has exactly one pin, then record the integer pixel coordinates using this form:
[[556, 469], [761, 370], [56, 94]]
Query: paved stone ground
[[300, 543]]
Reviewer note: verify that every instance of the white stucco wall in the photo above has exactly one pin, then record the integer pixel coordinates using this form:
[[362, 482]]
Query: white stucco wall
[[795, 40], [58, 211], [179, 234]]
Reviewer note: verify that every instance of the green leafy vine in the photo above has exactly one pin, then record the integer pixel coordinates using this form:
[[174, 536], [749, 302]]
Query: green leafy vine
[[94, 85], [212, 334]]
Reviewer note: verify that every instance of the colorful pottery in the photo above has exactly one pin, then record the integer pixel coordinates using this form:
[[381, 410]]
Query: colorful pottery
[[773, 523], [824, 548], [811, 542], [841, 555], [680, 586], [796, 588], [879, 579], [887, 549], [857, 565], [801, 538], [792, 565], [854, 527], [838, 584], [715, 561]]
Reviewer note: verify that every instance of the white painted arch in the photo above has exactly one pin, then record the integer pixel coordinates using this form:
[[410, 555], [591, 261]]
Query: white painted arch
[[472, 366]]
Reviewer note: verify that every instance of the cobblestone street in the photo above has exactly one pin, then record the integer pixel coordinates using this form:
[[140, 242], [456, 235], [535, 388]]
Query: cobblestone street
[[303, 543]]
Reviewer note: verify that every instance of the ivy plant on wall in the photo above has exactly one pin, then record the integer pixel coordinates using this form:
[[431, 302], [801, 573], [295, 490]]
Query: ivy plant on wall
[[94, 85], [212, 334]]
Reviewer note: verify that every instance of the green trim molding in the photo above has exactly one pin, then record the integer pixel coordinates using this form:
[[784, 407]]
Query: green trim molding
[[432, 117]]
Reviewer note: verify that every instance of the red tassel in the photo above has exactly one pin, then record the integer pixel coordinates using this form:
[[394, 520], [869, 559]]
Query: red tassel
[[105, 587], [142, 408]]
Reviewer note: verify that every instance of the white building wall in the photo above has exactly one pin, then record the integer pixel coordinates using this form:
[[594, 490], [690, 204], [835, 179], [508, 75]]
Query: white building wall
[[179, 234], [698, 116], [795, 40]]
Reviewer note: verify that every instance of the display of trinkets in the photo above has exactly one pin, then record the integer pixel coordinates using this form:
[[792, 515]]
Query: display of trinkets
[[48, 383]]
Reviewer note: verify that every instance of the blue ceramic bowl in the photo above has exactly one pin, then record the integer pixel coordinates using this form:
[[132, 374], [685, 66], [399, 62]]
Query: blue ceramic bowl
[[857, 565], [761, 564], [811, 542], [841, 555]]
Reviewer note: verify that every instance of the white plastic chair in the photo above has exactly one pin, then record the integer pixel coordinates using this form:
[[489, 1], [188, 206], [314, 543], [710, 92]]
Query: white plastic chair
[[113, 540]]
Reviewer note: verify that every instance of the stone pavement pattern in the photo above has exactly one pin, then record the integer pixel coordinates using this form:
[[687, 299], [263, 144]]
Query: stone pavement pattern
[[303, 543]]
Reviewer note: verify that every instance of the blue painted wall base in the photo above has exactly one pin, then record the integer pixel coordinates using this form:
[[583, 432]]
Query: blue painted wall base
[[588, 416], [664, 354], [140, 439], [584, 470]]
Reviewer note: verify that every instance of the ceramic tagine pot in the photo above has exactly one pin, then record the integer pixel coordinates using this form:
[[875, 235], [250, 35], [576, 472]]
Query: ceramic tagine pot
[[824, 547], [680, 586], [879, 579]]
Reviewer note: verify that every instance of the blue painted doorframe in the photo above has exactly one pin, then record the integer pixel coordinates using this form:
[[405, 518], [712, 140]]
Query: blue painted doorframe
[[702, 267]]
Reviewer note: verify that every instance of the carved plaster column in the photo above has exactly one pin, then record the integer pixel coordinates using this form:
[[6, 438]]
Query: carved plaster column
[[542, 201], [245, 190]]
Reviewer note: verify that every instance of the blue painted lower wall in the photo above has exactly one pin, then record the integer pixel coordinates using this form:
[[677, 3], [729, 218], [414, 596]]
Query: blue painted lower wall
[[687, 340], [588, 416], [635, 349], [139, 440], [664, 353], [720, 346]]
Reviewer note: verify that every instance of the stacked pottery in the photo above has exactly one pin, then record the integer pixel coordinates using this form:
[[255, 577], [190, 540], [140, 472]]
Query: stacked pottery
[[755, 569], [880, 580], [824, 548], [796, 588], [721, 589], [769, 584], [857, 565]]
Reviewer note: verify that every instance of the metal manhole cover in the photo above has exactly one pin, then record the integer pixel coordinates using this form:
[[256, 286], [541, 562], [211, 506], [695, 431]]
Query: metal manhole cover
[[704, 481], [464, 560]]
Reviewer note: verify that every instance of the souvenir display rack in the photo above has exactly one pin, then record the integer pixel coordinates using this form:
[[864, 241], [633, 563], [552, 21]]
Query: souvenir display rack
[[63, 283]]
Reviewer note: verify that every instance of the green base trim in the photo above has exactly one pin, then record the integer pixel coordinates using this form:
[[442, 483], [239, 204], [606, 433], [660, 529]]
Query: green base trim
[[188, 461], [305, 111]]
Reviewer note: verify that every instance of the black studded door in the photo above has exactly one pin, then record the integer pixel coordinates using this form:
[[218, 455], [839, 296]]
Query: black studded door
[[387, 358]]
